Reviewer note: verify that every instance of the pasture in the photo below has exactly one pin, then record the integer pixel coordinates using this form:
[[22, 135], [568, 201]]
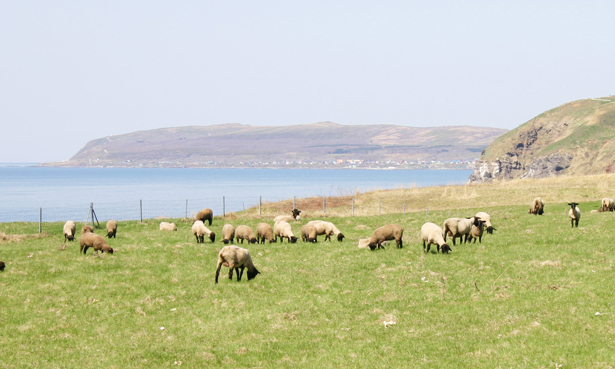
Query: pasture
[[535, 294]]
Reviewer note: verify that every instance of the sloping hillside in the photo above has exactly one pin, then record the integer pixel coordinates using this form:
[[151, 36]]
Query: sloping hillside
[[574, 139], [242, 145]]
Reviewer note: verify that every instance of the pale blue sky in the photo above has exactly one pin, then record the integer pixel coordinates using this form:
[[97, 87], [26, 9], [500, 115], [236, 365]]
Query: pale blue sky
[[73, 71]]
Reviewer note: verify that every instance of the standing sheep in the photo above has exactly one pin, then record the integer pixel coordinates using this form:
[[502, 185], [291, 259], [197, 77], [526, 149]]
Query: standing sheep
[[264, 232], [487, 219], [228, 234], [236, 258], [607, 205], [283, 229], [574, 214], [386, 233], [477, 232], [111, 228], [308, 233], [205, 214], [243, 232], [432, 233], [459, 227], [200, 231], [69, 230], [95, 241], [537, 206], [166, 226], [327, 228]]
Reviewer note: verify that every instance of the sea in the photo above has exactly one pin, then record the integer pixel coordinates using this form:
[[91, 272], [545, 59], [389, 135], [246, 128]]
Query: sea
[[30, 193]]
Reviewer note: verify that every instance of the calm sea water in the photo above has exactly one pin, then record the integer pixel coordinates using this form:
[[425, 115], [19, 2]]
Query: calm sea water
[[23, 190]]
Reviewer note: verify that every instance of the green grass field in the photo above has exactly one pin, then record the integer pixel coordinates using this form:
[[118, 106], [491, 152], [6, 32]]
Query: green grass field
[[535, 294]]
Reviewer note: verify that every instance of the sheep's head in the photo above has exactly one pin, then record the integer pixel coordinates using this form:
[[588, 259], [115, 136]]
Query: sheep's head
[[372, 246], [252, 273], [2, 265], [312, 240], [226, 242], [293, 239], [490, 230], [272, 240], [340, 237], [296, 213], [445, 249], [573, 204], [252, 240], [212, 237]]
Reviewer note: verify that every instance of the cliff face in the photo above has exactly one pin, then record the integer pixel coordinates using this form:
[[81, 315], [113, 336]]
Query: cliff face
[[576, 138]]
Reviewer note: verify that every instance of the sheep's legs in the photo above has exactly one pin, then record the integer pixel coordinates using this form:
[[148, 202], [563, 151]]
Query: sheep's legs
[[218, 272], [239, 274], [230, 274]]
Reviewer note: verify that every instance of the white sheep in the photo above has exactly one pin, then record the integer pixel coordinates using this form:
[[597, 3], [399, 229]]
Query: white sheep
[[111, 228], [283, 229], [432, 233], [200, 231], [288, 218], [574, 214], [236, 258], [386, 233], [459, 227], [228, 233], [69, 230], [537, 206], [166, 226], [326, 228], [308, 233], [487, 219], [264, 232], [607, 205], [477, 232], [244, 232]]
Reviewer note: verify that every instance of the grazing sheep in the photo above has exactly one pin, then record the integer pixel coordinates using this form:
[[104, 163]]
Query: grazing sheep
[[87, 228], [574, 214], [166, 226], [95, 241], [477, 232], [308, 233], [537, 207], [2, 265], [459, 227], [69, 230], [111, 228], [432, 233], [386, 233], [326, 228], [487, 219], [228, 234], [607, 205], [243, 232], [264, 232], [236, 258], [283, 229], [205, 214], [200, 231]]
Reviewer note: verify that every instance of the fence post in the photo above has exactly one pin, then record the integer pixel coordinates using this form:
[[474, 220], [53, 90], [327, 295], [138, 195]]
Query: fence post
[[260, 205], [186, 209], [379, 207], [404, 208], [324, 205], [92, 213], [223, 206], [141, 210], [353, 206], [427, 210], [40, 220], [294, 203]]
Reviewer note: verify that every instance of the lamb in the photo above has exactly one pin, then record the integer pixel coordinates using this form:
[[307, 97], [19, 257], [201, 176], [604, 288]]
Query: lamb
[[166, 226], [264, 232], [574, 214], [288, 218], [487, 220], [111, 228], [326, 228], [607, 205], [386, 233], [363, 243], [477, 232], [95, 241], [243, 232], [228, 234], [432, 233], [283, 229], [199, 230], [537, 207], [236, 258], [205, 214], [69, 230], [2, 265], [87, 228], [459, 227], [308, 233]]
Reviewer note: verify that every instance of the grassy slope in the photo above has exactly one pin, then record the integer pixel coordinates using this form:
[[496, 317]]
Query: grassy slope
[[526, 297]]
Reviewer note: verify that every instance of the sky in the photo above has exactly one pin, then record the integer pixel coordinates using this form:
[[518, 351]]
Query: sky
[[74, 71]]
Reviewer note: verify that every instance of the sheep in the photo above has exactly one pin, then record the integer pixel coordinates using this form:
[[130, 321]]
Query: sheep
[[386, 233], [95, 241], [477, 232], [288, 218], [69, 230], [607, 205], [236, 258], [432, 233], [363, 243], [487, 220], [537, 207], [459, 227], [264, 232], [2, 265], [308, 233], [87, 228], [199, 230], [283, 229], [166, 226], [327, 228], [205, 214], [228, 234], [243, 232], [574, 214], [111, 228]]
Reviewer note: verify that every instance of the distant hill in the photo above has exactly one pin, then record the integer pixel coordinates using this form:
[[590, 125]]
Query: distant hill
[[307, 145], [576, 138]]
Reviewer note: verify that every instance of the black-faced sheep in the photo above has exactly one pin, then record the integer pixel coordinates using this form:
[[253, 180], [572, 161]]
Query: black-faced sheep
[[69, 230], [487, 220], [327, 228], [228, 234], [459, 227], [574, 214], [243, 232], [537, 206], [386, 233], [607, 205], [264, 232], [87, 228], [432, 233], [2, 265], [236, 258], [477, 232], [283, 229], [200, 231], [166, 226], [111, 228], [308, 233], [95, 241], [205, 214]]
